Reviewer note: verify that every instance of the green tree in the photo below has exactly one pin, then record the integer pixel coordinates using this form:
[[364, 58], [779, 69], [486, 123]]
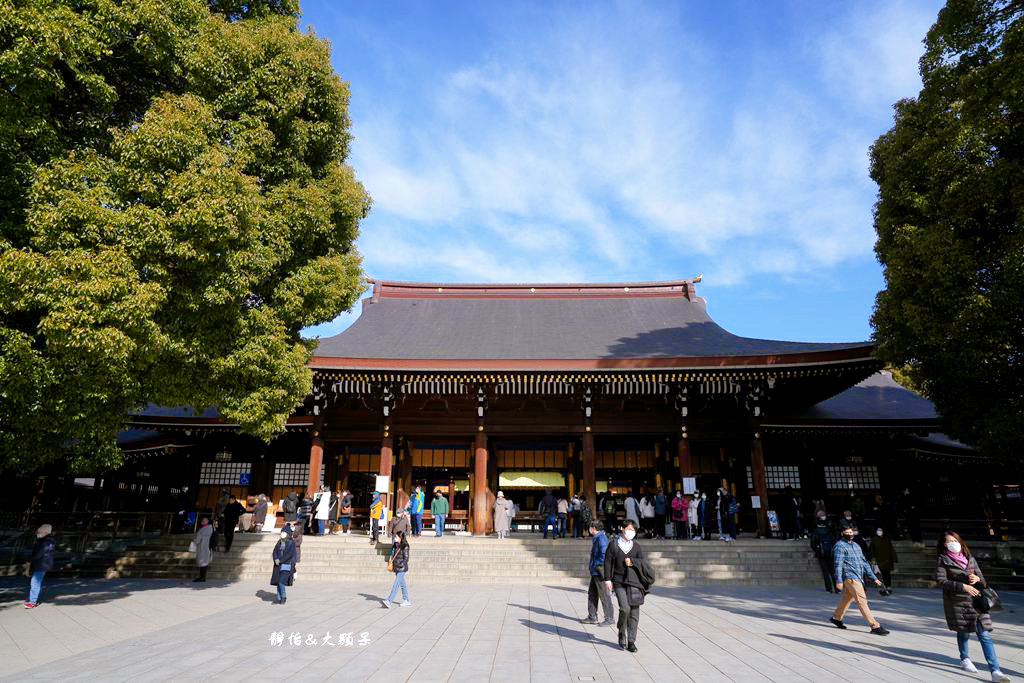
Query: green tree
[[950, 223], [174, 209]]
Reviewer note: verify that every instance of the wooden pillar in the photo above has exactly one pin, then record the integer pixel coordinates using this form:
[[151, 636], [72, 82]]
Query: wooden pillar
[[589, 475], [657, 465], [387, 446], [760, 486], [345, 464], [316, 459], [685, 463], [403, 477], [480, 516], [451, 494]]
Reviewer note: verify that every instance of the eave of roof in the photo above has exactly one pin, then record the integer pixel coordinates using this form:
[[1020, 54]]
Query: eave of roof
[[606, 326]]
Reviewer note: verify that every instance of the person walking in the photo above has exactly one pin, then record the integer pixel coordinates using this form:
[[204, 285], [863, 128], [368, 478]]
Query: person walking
[[728, 509], [41, 562], [400, 524], [345, 505], [660, 513], [415, 508], [285, 558], [608, 506], [884, 553], [822, 544], [574, 516], [204, 553], [399, 564], [502, 515], [702, 517], [332, 514], [290, 506], [439, 511], [233, 511], [563, 515], [321, 510], [647, 515], [549, 511], [259, 513], [632, 508], [790, 514], [679, 508], [598, 591], [629, 577], [849, 569], [961, 581]]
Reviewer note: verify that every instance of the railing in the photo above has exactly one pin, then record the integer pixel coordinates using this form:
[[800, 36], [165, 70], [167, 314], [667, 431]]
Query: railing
[[77, 532]]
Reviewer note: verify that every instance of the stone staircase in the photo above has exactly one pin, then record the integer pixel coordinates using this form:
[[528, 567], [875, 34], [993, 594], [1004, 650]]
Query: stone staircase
[[523, 558], [916, 566], [520, 559]]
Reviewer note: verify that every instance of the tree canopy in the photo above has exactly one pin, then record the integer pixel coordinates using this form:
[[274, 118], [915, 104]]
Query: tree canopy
[[174, 208], [950, 223]]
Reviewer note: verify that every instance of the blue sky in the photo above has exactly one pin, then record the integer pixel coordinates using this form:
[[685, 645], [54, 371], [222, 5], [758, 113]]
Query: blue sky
[[603, 141]]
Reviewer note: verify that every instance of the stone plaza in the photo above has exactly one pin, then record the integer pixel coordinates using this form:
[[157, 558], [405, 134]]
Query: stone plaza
[[150, 630]]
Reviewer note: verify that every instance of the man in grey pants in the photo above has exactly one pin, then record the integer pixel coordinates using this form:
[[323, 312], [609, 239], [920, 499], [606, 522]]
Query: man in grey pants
[[598, 590]]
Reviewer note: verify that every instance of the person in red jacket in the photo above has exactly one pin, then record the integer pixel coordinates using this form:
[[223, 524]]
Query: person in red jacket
[[680, 507]]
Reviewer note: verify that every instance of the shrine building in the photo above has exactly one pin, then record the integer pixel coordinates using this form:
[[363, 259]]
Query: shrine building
[[474, 388]]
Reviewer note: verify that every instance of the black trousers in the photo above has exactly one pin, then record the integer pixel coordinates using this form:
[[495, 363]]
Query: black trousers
[[629, 617], [611, 524], [659, 525], [229, 535], [596, 592], [826, 572], [886, 577], [680, 529]]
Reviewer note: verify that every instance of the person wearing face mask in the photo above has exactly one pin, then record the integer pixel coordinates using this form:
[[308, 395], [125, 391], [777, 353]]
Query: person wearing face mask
[[849, 570], [439, 511], [285, 557], [691, 516], [42, 562], [702, 517], [884, 553], [345, 517], [629, 577], [415, 508], [678, 515], [822, 544], [961, 580], [399, 564]]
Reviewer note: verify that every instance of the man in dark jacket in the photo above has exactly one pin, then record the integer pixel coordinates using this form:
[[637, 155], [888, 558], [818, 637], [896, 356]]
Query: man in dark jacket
[[598, 590], [822, 543], [290, 507], [232, 512], [42, 562], [549, 510]]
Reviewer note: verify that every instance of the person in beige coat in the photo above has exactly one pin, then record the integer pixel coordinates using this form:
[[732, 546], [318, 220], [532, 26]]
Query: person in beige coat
[[502, 515]]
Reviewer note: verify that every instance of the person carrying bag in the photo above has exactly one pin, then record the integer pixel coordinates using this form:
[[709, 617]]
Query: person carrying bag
[[967, 601]]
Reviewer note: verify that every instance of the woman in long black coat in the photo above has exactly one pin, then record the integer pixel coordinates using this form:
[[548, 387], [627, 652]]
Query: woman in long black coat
[[285, 557], [961, 581], [628, 576]]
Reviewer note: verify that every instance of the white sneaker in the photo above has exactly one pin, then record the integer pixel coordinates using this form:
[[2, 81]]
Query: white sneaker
[[386, 603], [999, 676], [406, 603], [968, 666]]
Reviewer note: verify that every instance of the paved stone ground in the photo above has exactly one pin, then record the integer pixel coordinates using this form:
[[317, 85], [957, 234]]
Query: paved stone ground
[[169, 630]]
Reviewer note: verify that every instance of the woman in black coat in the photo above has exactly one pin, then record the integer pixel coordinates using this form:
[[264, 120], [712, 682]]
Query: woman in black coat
[[961, 581], [400, 566], [629, 577], [285, 557]]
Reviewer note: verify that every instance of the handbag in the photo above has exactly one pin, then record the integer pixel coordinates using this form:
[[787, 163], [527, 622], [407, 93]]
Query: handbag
[[192, 546], [988, 601], [285, 567]]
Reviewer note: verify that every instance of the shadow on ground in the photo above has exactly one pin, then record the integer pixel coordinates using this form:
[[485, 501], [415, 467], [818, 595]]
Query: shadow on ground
[[14, 590]]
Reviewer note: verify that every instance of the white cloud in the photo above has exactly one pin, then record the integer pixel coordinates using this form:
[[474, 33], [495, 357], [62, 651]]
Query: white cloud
[[592, 148]]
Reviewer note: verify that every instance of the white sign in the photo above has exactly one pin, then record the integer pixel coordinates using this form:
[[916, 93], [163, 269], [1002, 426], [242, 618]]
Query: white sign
[[689, 485], [382, 485], [755, 502]]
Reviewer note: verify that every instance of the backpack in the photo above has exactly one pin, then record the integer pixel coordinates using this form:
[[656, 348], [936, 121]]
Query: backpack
[[609, 505]]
